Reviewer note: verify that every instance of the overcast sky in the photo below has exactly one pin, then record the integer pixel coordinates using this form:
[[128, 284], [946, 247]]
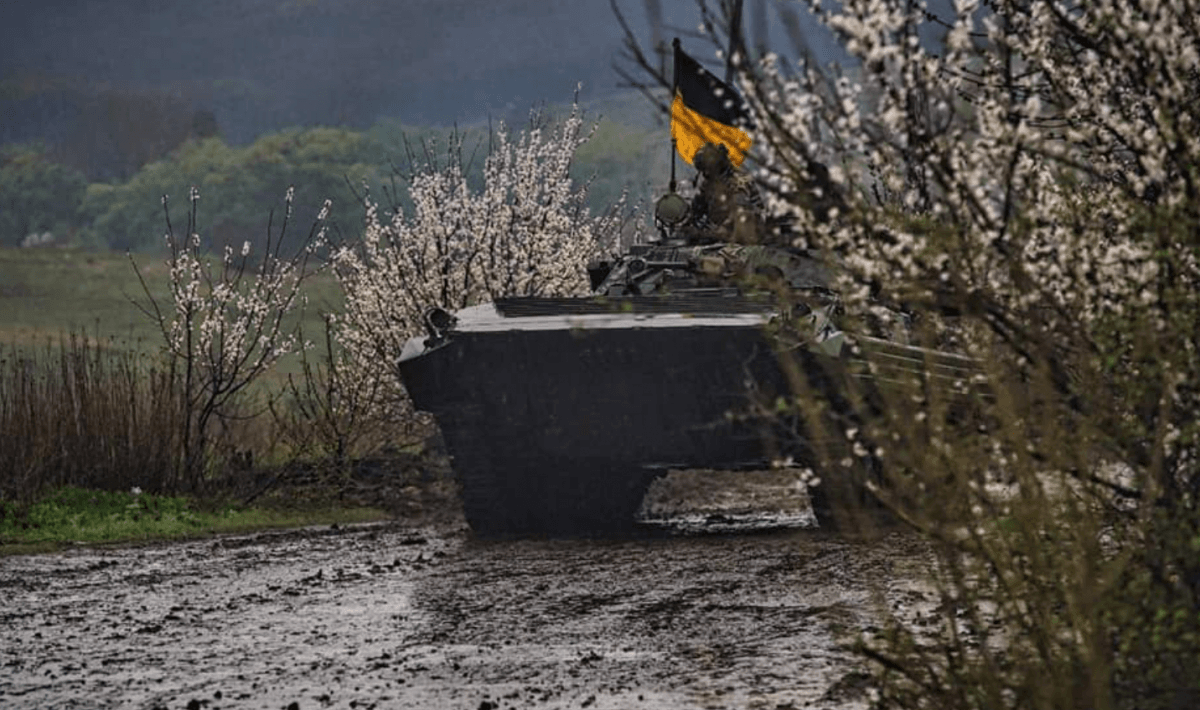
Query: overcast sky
[[268, 63]]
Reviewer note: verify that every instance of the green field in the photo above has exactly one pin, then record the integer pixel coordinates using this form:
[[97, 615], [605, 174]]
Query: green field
[[46, 292], [49, 292]]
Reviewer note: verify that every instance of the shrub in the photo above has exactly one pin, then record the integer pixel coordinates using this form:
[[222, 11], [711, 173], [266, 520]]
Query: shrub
[[226, 325], [326, 415], [37, 195], [527, 231], [1026, 188], [79, 413]]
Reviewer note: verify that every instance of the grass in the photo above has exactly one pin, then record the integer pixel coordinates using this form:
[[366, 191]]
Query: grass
[[45, 292], [48, 293], [74, 515]]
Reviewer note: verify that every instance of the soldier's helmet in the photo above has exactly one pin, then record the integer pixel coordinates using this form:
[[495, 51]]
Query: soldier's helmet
[[712, 160]]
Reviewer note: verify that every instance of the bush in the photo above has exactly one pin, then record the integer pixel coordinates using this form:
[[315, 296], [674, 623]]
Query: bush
[[1022, 189], [77, 413], [37, 195], [526, 231], [236, 182], [226, 324]]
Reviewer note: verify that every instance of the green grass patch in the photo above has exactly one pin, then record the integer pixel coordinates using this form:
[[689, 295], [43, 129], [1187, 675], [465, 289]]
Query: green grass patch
[[47, 292], [44, 292], [76, 515]]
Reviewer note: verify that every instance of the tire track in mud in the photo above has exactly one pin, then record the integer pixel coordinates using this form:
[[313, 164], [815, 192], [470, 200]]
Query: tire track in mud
[[388, 616]]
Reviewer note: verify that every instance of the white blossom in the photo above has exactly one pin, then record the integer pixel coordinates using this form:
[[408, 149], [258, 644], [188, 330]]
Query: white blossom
[[225, 326], [526, 232]]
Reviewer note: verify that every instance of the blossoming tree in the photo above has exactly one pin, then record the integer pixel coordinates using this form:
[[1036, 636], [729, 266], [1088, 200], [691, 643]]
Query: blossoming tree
[[527, 231], [1022, 177], [225, 324]]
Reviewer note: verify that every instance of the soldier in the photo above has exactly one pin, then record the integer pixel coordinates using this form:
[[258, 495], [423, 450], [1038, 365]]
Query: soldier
[[728, 207]]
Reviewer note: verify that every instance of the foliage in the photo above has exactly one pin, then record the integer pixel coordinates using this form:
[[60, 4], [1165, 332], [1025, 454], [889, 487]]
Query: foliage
[[321, 163], [527, 230], [326, 415], [128, 217], [225, 326], [1027, 191], [37, 195], [236, 181], [79, 413]]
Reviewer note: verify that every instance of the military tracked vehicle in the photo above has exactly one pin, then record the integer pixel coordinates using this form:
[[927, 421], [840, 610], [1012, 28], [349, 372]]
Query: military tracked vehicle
[[558, 413]]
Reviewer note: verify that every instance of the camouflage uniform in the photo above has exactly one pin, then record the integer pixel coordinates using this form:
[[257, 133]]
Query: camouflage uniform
[[728, 207]]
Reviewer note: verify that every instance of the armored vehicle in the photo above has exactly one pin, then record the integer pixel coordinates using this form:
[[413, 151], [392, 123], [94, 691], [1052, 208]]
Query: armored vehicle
[[559, 412]]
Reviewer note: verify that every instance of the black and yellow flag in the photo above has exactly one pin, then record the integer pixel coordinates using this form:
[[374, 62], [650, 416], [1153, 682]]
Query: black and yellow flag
[[705, 110]]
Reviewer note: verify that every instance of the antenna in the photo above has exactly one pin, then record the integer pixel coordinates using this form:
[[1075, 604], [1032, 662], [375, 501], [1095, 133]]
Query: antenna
[[735, 39], [671, 185]]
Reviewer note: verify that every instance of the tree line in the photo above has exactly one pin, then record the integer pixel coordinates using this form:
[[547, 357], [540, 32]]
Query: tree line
[[44, 199]]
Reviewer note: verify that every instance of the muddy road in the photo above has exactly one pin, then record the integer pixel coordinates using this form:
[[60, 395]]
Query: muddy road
[[390, 616]]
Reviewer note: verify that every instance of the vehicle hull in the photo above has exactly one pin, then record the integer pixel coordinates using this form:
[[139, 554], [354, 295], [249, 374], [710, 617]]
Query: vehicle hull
[[559, 413], [560, 430]]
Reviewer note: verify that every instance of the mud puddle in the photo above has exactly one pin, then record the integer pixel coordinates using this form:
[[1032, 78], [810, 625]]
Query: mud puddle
[[389, 616]]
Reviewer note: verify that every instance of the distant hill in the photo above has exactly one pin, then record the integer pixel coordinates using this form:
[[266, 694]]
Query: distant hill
[[70, 70], [264, 65]]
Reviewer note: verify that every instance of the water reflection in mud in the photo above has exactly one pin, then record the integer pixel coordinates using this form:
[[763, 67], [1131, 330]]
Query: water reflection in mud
[[387, 616]]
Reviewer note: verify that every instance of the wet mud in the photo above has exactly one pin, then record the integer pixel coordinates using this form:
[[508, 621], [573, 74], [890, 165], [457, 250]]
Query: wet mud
[[394, 616]]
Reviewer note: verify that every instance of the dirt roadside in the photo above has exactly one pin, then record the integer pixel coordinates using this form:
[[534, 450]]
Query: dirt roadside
[[424, 616]]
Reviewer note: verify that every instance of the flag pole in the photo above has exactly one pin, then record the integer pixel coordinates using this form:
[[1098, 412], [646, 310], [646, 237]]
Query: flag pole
[[674, 93]]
